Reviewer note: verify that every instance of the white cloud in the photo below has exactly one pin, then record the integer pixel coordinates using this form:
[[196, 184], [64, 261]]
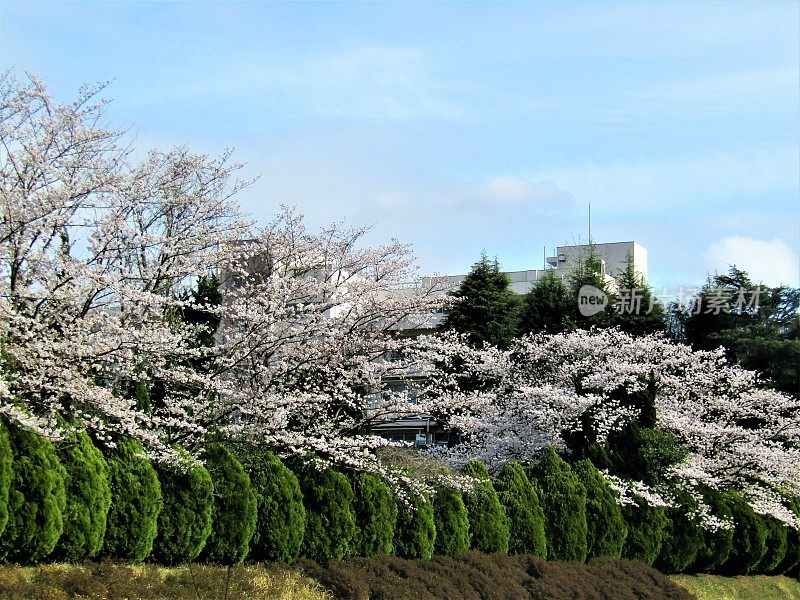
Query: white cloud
[[770, 262], [516, 190]]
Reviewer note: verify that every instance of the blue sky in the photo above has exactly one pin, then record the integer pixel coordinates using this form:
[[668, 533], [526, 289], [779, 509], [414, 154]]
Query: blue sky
[[464, 127]]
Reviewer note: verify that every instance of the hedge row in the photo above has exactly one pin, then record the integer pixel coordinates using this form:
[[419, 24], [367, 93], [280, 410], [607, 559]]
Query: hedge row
[[71, 502]]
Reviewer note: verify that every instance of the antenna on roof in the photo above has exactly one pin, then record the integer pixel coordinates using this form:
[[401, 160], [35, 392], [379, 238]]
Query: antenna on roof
[[590, 223]]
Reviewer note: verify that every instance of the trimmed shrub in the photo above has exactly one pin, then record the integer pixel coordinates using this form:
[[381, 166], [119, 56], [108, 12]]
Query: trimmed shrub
[[526, 518], [749, 537], [132, 520], [563, 500], [233, 517], [281, 516], [606, 528], [6, 473], [36, 498], [452, 523], [488, 523], [331, 532], [776, 543], [415, 534], [683, 535], [790, 565], [376, 515], [88, 491], [184, 522], [646, 525], [717, 543]]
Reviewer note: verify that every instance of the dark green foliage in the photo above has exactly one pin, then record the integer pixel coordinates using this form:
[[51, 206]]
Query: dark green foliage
[[790, 565], [281, 520], [88, 492], [36, 498], [184, 522], [376, 515], [477, 576], [548, 307], [749, 537], [563, 500], [588, 270], [331, 532], [6, 473], [233, 519], [452, 523], [524, 511], [776, 544], [716, 546], [606, 528], [132, 520], [683, 535], [636, 312], [488, 523], [646, 525], [415, 534], [488, 309]]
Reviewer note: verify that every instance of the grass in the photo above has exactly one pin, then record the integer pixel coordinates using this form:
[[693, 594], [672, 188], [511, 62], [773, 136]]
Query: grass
[[757, 587], [114, 581]]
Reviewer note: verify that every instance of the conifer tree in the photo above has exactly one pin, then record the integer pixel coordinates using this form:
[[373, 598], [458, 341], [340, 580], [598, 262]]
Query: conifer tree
[[749, 537], [523, 509], [331, 532], [488, 309], [36, 498], [6, 473], [488, 522], [606, 528], [415, 534], [776, 543], [234, 517], [564, 503], [88, 494], [452, 523], [547, 307], [281, 515], [132, 521], [646, 525], [683, 535], [376, 515], [717, 541]]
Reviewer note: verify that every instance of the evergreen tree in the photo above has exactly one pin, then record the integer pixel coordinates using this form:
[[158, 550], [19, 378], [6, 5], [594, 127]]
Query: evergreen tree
[[790, 565], [415, 534], [131, 525], [588, 271], [488, 309], [6, 474], [717, 542], [776, 543], [606, 528], [646, 525], [526, 518], [683, 535], [636, 311], [36, 498], [234, 517], [563, 500], [452, 523], [749, 537], [488, 522], [547, 307], [88, 493], [331, 532], [281, 515], [184, 522], [376, 515]]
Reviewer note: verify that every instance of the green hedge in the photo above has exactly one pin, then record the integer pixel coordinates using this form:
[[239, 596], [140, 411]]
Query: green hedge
[[683, 535], [526, 518], [234, 517], [646, 525], [36, 498], [281, 516], [749, 537], [452, 523], [606, 528], [488, 523], [376, 515], [6, 474], [415, 534], [136, 501], [564, 503], [184, 522], [88, 493], [717, 543], [776, 544]]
